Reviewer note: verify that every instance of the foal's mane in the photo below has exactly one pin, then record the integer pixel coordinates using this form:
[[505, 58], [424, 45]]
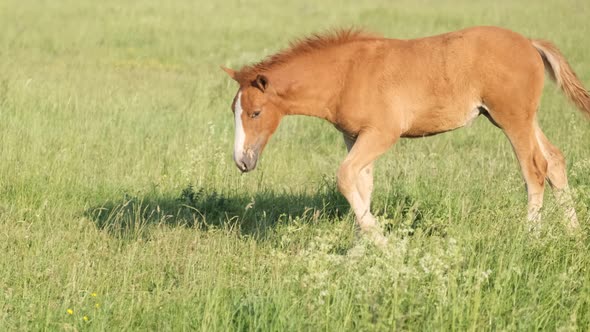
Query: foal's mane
[[306, 45]]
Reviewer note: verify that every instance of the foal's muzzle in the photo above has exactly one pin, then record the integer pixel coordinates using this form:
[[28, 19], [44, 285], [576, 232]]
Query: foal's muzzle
[[247, 161]]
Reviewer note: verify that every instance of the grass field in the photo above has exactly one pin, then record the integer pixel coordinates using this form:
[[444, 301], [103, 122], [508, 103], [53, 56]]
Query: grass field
[[121, 208]]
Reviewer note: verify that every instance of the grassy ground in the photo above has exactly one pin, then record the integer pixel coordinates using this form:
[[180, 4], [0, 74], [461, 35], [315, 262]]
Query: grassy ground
[[121, 209]]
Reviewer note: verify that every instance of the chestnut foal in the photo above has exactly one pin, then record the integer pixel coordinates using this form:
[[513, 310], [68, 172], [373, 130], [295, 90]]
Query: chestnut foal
[[376, 90]]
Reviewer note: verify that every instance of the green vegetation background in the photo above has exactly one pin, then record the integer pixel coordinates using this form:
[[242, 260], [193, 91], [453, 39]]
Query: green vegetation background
[[121, 209]]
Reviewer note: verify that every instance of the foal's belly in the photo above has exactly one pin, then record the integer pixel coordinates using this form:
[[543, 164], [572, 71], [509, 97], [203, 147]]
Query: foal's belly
[[440, 120]]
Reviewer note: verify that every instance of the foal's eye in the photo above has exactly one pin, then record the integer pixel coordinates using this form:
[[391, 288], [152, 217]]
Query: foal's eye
[[255, 114]]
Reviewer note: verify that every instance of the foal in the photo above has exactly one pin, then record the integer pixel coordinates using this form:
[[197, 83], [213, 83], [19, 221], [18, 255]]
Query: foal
[[376, 90]]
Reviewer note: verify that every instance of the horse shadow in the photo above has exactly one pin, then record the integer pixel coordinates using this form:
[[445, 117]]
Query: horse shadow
[[132, 216]]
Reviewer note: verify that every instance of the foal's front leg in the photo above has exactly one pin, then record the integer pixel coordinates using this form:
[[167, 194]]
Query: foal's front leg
[[364, 182], [354, 185]]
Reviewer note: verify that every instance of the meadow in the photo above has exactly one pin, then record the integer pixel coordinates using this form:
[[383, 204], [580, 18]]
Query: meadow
[[121, 207]]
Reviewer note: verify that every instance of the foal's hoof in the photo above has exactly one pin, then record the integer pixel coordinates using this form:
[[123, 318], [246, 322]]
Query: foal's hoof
[[534, 228], [573, 226], [377, 238], [534, 222]]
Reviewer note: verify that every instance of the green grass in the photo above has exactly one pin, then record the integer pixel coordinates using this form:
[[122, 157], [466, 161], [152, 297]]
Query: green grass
[[116, 179]]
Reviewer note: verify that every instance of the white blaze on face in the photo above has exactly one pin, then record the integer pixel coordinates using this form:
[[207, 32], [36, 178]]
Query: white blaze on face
[[240, 137]]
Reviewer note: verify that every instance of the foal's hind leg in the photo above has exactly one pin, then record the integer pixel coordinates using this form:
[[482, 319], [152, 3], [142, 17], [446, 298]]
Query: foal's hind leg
[[532, 163], [557, 178]]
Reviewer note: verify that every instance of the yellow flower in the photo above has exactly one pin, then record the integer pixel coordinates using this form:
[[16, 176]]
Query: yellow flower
[[85, 318], [70, 311], [94, 295], [97, 305]]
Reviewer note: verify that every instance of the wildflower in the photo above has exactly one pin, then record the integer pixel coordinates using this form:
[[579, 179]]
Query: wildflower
[[85, 318], [70, 311], [93, 294], [97, 305]]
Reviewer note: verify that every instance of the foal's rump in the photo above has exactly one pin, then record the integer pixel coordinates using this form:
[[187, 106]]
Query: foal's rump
[[449, 79], [456, 76]]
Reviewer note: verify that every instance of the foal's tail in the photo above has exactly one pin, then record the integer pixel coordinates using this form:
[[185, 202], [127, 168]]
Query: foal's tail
[[561, 72]]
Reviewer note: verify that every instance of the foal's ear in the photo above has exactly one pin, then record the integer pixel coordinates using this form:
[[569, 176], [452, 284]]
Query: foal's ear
[[261, 82], [230, 72]]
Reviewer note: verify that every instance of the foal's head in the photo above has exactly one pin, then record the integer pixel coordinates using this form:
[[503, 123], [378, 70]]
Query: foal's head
[[257, 116]]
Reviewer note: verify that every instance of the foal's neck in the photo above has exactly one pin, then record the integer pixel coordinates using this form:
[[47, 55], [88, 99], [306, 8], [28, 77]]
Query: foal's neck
[[311, 85]]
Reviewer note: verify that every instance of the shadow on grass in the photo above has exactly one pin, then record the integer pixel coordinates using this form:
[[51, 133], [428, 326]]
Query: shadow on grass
[[131, 216]]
